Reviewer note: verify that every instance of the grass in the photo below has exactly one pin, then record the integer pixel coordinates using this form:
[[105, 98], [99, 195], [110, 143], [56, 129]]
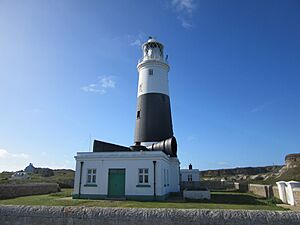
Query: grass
[[62, 176], [220, 200]]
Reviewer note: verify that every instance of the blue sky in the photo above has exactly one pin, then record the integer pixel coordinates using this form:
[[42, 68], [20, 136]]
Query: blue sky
[[68, 75]]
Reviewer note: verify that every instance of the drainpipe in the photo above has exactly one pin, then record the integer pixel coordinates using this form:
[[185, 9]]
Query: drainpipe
[[154, 179], [80, 178]]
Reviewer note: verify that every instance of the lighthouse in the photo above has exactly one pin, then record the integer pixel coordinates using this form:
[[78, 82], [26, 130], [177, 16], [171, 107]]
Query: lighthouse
[[153, 114], [149, 169]]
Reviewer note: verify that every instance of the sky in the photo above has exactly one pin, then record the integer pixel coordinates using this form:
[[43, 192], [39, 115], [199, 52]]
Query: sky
[[68, 76]]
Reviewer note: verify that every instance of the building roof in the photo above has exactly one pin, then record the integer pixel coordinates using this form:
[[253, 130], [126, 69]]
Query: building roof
[[101, 146]]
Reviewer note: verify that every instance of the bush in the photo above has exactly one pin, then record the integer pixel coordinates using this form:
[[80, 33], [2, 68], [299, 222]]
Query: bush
[[44, 172], [274, 201]]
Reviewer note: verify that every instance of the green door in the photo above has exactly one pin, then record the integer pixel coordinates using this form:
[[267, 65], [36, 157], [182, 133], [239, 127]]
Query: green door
[[116, 183]]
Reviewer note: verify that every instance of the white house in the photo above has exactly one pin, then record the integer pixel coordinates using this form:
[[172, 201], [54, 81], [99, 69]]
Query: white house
[[20, 175], [134, 175], [190, 174]]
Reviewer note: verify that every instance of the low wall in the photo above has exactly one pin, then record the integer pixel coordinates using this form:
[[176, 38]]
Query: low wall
[[261, 190], [196, 194], [30, 215], [275, 192], [17, 190], [242, 187], [296, 192], [211, 185]]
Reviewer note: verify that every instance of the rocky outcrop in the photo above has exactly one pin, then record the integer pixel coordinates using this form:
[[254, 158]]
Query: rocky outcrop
[[244, 171], [292, 160], [266, 174]]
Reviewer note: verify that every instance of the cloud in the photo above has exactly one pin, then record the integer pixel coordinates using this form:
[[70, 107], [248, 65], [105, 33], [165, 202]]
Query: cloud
[[103, 84], [137, 40], [4, 154], [184, 10], [186, 6], [12, 161], [185, 23], [261, 107]]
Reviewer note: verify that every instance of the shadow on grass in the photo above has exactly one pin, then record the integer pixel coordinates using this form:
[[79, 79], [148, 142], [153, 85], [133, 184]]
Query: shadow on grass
[[234, 198]]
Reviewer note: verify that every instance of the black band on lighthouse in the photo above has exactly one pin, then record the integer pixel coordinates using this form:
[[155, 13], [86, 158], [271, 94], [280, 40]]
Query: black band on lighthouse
[[153, 122]]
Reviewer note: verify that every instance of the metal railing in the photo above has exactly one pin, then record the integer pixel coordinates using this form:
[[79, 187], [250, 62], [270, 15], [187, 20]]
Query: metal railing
[[165, 60]]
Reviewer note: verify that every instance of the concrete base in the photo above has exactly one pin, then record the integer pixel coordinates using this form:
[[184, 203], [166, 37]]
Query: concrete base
[[126, 197]]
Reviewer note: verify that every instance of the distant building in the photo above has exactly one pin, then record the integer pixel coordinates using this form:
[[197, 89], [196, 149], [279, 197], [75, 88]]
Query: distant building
[[30, 168], [20, 176], [190, 174]]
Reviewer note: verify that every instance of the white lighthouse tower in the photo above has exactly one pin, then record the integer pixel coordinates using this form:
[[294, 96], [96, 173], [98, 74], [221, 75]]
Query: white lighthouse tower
[[153, 116]]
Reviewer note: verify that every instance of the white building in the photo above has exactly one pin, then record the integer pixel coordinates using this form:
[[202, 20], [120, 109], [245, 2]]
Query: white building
[[136, 175], [20, 176], [190, 174], [286, 191], [148, 170]]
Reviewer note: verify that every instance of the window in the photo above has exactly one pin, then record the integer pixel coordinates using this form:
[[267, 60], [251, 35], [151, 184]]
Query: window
[[143, 176], [138, 114], [190, 177], [91, 176], [150, 72]]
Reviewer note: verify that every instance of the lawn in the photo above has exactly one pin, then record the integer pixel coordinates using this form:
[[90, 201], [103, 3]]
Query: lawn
[[220, 200]]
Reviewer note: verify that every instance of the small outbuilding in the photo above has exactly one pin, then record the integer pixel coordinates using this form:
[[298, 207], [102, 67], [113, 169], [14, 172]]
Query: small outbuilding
[[189, 174]]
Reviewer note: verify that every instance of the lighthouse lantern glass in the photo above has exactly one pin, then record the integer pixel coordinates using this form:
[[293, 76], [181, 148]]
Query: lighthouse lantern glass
[[153, 50]]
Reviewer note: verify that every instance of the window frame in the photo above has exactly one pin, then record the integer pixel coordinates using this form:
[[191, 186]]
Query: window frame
[[91, 177], [150, 72], [143, 173]]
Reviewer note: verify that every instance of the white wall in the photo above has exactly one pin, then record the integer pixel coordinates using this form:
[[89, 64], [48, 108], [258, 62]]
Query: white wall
[[186, 172], [286, 191], [156, 83], [131, 162]]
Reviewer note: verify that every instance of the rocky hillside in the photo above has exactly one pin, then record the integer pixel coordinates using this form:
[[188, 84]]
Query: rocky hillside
[[241, 174], [247, 171], [290, 171], [266, 174]]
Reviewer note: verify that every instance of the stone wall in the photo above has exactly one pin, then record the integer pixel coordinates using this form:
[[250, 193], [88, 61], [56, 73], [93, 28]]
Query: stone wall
[[209, 184], [36, 215], [275, 192], [296, 192], [261, 190], [241, 187], [266, 191], [12, 191]]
